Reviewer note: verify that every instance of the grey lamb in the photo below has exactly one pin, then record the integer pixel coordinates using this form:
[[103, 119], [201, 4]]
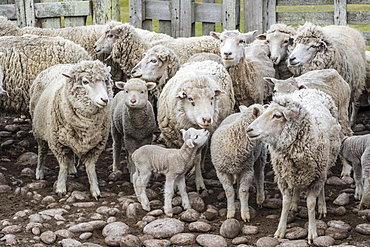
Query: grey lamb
[[172, 162]]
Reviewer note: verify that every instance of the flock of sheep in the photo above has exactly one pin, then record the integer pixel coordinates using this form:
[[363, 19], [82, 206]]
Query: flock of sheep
[[292, 93]]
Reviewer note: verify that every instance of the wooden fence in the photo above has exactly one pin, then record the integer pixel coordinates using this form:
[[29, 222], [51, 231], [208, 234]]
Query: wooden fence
[[59, 13]]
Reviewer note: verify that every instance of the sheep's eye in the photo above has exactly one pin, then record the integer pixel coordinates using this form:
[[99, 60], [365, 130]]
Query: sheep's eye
[[85, 82], [110, 36], [196, 137], [142, 92], [241, 41], [274, 91], [190, 99], [153, 60], [221, 40], [277, 115], [286, 41], [126, 91], [267, 41], [212, 98], [144, 54]]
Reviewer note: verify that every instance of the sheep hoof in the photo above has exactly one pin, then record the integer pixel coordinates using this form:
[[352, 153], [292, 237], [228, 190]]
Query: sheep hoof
[[363, 205]]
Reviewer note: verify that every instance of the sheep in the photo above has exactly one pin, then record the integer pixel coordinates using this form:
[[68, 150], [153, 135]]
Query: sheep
[[332, 47], [70, 111], [303, 138], [234, 154], [246, 66], [172, 162], [132, 119], [368, 74], [22, 58], [278, 38], [200, 95], [126, 47], [2, 91], [355, 149]]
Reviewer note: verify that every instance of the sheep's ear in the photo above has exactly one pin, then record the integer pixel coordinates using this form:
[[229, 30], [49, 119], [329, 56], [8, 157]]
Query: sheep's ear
[[261, 36], [250, 35], [189, 143], [290, 114], [109, 69], [243, 108], [302, 87], [150, 85], [270, 80], [257, 111], [291, 39], [120, 84], [68, 76], [182, 131], [181, 95], [215, 35], [324, 45], [219, 92]]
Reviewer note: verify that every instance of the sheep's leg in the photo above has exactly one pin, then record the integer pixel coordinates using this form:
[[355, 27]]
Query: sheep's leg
[[199, 182], [130, 166], [245, 178], [346, 167], [168, 194], [93, 179], [64, 160], [365, 162], [117, 146], [227, 183], [41, 158], [357, 175], [321, 203], [141, 183], [287, 200], [295, 199], [259, 177], [181, 185], [72, 167], [311, 205], [354, 110]]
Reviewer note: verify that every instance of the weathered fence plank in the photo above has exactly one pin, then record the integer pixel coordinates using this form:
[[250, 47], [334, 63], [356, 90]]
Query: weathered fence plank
[[358, 17], [105, 10], [8, 10], [57, 9], [207, 25], [253, 16], [303, 2], [340, 12], [48, 14], [299, 18]]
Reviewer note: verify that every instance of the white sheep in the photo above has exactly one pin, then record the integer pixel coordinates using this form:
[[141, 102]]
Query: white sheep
[[132, 121], [200, 95], [356, 150], [331, 47], [126, 47], [303, 138], [70, 110], [278, 38], [173, 163], [22, 58], [234, 154], [246, 65], [368, 74], [2, 91]]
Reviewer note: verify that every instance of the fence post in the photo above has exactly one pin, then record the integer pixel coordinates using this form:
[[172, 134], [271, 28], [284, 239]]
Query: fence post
[[269, 13], [105, 10], [230, 14], [136, 13], [253, 15], [340, 12], [25, 12], [206, 26]]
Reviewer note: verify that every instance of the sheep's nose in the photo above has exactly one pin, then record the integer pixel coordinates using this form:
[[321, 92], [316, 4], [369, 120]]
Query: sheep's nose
[[105, 100], [94, 46], [292, 58], [249, 129], [133, 71], [228, 53], [207, 120], [133, 101]]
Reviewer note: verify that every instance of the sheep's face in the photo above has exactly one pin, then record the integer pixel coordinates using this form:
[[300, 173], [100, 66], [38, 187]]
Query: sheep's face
[[278, 43], [195, 137], [269, 126], [106, 42], [135, 92], [232, 45], [200, 103], [282, 86], [151, 67]]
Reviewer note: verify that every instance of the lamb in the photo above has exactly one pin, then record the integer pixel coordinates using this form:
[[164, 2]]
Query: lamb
[[126, 47], [22, 58], [303, 138], [200, 95], [246, 66], [356, 150], [234, 154], [279, 38], [332, 47], [132, 119], [70, 110], [174, 163]]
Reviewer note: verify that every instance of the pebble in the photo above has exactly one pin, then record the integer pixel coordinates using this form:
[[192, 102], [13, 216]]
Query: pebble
[[9, 239], [295, 243], [240, 240], [116, 228], [363, 229], [272, 203], [82, 227], [27, 159], [249, 230], [190, 215], [296, 233], [323, 241], [267, 242], [48, 237], [68, 242], [164, 228], [183, 239], [342, 199], [157, 243], [211, 240], [199, 226], [12, 229], [5, 189], [339, 224], [337, 233], [210, 214], [230, 228], [196, 202], [335, 181], [130, 241]]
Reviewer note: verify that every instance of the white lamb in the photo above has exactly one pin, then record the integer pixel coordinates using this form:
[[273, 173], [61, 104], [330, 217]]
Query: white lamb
[[279, 38], [332, 47], [303, 138], [200, 95], [234, 154], [174, 163], [356, 150], [70, 110], [246, 65], [133, 120]]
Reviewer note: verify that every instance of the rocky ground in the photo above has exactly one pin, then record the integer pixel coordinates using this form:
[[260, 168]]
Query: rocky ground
[[31, 214]]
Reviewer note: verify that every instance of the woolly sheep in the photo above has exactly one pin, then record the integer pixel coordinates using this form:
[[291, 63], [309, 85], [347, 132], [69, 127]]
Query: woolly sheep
[[22, 58], [234, 154], [126, 47], [132, 119], [368, 74], [303, 139], [332, 47], [200, 95], [173, 163], [2, 91], [246, 66], [70, 110], [356, 150], [278, 38]]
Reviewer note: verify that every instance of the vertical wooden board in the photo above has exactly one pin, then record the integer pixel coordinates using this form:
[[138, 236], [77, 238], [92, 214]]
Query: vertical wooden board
[[165, 26], [50, 22], [253, 17], [340, 12], [137, 13], [229, 14], [175, 16], [207, 27], [20, 13], [74, 21], [269, 13], [186, 19]]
